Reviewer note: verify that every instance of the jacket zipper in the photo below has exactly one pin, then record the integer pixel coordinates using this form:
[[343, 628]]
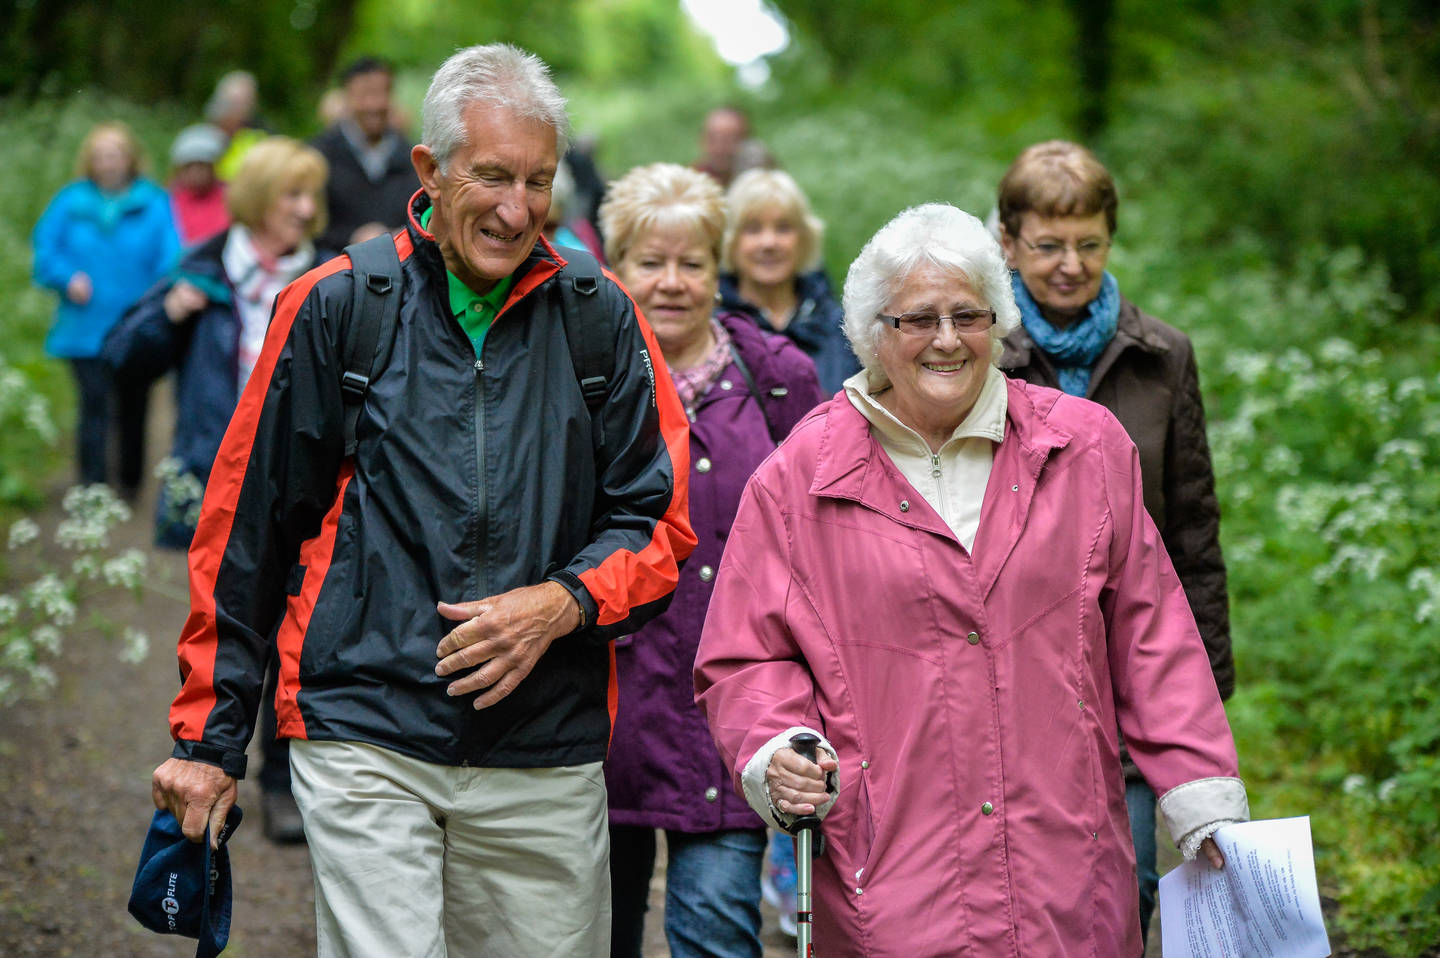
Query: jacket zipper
[[482, 585]]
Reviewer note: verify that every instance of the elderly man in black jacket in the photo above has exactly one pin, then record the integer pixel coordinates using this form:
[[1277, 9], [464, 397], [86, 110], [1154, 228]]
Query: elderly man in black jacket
[[441, 596]]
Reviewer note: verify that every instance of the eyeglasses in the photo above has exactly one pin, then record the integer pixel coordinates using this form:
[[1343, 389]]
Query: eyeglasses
[[1091, 249], [926, 323]]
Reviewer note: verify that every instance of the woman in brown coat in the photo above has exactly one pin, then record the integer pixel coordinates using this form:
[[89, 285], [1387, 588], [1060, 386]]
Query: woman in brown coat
[[1057, 209]]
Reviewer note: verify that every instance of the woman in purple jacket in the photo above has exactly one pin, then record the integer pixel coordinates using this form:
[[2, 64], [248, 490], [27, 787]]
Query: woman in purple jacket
[[950, 576], [743, 390]]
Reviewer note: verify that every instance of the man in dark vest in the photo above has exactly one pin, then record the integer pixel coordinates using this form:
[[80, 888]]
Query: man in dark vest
[[371, 178]]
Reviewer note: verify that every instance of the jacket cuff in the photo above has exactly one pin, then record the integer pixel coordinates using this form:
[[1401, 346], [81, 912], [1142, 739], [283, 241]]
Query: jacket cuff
[[229, 761], [1194, 810], [571, 583], [757, 790]]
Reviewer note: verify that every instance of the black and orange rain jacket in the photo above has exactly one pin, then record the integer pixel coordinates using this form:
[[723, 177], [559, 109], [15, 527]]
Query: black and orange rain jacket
[[471, 478]]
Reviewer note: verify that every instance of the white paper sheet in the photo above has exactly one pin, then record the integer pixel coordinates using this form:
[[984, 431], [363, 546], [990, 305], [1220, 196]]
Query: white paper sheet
[[1263, 904]]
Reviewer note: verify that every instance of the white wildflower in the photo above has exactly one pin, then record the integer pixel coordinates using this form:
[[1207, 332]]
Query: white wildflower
[[125, 570], [134, 646], [17, 654], [1364, 561], [86, 567], [1281, 461], [46, 638], [9, 609], [23, 532], [1425, 581], [49, 596], [1387, 789], [1409, 389], [37, 417], [1337, 351], [1246, 367], [43, 679], [1354, 784], [1408, 454]]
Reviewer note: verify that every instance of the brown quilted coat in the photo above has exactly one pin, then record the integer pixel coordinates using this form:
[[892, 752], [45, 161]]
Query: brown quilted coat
[[1146, 376]]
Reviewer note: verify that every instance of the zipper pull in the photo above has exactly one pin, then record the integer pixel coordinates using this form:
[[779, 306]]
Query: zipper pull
[[479, 365], [934, 466]]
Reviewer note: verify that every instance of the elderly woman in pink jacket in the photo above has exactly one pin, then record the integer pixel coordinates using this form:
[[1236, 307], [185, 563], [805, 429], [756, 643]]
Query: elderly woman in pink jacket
[[951, 578]]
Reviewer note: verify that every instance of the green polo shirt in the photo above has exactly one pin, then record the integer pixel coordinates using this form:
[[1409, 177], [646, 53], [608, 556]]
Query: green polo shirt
[[473, 311]]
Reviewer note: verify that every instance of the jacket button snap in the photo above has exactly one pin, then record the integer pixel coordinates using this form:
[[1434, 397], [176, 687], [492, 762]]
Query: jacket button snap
[[865, 764], [706, 573], [1015, 488], [904, 505], [859, 890], [702, 465], [726, 384], [973, 638], [712, 793], [986, 809]]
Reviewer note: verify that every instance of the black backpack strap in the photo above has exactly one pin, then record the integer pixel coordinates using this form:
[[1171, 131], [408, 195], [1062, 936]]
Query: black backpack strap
[[374, 312], [590, 335], [769, 409]]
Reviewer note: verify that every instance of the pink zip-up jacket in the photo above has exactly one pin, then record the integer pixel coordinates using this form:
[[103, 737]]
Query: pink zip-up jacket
[[972, 700]]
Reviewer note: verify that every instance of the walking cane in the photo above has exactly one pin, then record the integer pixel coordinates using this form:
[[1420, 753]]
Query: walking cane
[[809, 843]]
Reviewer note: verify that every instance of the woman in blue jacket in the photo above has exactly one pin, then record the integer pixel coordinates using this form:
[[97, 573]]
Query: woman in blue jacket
[[101, 242]]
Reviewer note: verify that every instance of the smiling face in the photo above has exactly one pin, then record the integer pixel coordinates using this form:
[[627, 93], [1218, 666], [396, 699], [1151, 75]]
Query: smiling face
[[767, 247], [937, 377], [490, 206], [672, 273], [289, 220], [1064, 285]]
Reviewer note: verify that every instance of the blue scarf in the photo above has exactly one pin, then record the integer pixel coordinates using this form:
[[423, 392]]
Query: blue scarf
[[1074, 349]]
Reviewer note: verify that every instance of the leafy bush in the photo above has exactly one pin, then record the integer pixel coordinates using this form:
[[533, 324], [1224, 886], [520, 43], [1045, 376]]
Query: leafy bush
[[1327, 454]]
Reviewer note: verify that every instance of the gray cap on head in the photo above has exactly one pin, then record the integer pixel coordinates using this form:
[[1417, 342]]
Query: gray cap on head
[[200, 143]]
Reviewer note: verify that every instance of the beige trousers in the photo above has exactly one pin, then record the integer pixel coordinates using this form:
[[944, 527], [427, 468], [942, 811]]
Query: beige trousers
[[416, 860]]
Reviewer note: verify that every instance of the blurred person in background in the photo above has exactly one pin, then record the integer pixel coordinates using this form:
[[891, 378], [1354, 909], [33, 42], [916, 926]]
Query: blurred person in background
[[562, 226], [664, 225], [772, 270], [101, 242], [371, 177], [234, 108], [207, 319], [950, 577], [207, 322], [725, 130], [196, 193], [1057, 210]]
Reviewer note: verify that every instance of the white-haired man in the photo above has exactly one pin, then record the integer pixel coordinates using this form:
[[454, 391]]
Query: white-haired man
[[441, 601]]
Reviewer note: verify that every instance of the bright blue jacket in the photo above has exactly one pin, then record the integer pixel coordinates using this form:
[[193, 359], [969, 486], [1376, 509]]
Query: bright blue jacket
[[123, 244]]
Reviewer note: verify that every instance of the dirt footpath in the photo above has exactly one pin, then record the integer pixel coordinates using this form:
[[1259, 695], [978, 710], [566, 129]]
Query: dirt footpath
[[75, 795]]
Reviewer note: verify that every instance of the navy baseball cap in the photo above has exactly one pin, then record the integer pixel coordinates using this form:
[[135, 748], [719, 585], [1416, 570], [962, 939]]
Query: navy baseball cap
[[181, 887]]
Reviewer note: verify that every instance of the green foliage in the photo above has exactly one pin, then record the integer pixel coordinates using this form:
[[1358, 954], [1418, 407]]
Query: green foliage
[[1325, 431], [173, 50], [589, 45]]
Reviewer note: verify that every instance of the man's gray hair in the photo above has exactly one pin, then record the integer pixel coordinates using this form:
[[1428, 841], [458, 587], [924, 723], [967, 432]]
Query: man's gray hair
[[498, 74], [934, 235]]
